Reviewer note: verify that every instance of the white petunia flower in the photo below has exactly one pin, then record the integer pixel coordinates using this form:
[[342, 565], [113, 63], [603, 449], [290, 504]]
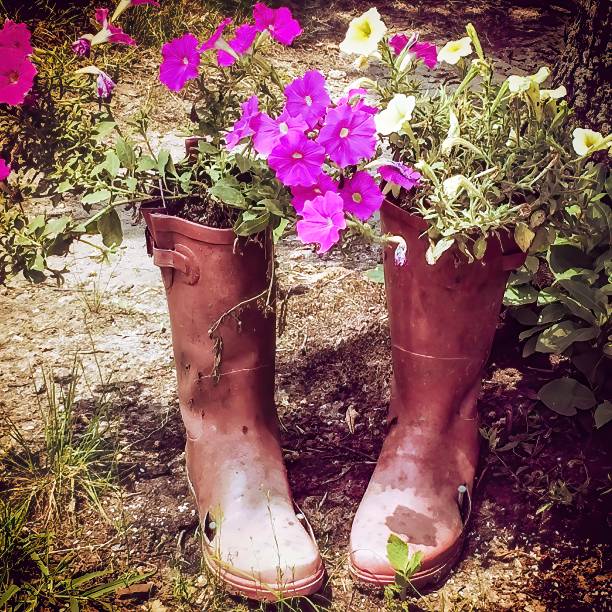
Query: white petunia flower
[[363, 34], [454, 50], [397, 114], [585, 140], [454, 185], [519, 84], [553, 94]]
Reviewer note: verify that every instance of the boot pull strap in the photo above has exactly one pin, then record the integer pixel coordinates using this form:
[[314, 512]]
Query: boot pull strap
[[180, 258], [464, 501]]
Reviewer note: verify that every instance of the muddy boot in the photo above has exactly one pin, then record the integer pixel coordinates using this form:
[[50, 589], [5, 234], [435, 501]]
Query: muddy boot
[[442, 321], [253, 539]]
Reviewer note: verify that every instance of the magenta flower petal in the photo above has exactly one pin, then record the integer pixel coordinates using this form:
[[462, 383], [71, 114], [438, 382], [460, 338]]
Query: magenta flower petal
[[268, 131], [104, 85], [244, 126], [348, 135], [400, 174], [102, 16], [17, 74], [297, 160], [323, 218], [427, 52], [301, 194], [307, 97], [398, 43], [117, 35], [181, 62], [81, 47], [362, 195], [241, 43], [15, 36], [139, 2], [278, 22], [5, 169], [356, 99], [212, 42]]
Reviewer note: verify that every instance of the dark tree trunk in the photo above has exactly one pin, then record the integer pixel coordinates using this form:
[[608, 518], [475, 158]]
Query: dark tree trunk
[[585, 65]]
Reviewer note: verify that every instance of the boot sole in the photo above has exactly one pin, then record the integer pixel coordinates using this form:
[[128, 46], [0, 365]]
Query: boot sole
[[428, 577], [254, 589]]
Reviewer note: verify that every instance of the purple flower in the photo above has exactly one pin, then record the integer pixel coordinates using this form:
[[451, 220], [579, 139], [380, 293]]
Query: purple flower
[[244, 126], [241, 43], [302, 194], [81, 47], [307, 97], [400, 174], [400, 41], [323, 218], [268, 131], [297, 160], [278, 22], [15, 36], [139, 2], [348, 135], [213, 41], [361, 195], [356, 99], [114, 34], [17, 74], [427, 52], [5, 169], [104, 85], [181, 62]]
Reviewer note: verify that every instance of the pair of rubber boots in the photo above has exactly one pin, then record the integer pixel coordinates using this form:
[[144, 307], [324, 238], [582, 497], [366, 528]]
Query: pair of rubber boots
[[442, 321]]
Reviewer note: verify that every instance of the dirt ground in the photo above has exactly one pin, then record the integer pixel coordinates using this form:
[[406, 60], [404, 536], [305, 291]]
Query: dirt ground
[[333, 367]]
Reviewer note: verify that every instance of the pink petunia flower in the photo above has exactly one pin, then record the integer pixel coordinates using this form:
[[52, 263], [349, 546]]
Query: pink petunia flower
[[356, 99], [5, 169], [322, 220], [400, 41], [244, 126], [110, 32], [307, 97], [139, 2], [348, 135], [302, 194], [104, 85], [427, 52], [268, 131], [400, 174], [214, 42], [17, 74], [278, 22], [81, 47], [297, 160], [241, 43], [181, 62], [361, 195], [15, 36]]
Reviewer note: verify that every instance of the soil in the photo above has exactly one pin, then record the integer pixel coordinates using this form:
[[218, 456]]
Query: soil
[[333, 373], [207, 213]]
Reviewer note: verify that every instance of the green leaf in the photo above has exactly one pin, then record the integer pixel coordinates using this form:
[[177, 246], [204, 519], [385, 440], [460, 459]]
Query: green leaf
[[559, 336], [377, 274], [435, 251], [520, 295], [397, 553], [63, 187], [242, 162], [603, 415], [109, 227], [227, 195], [125, 153], [8, 594], [523, 236], [96, 196], [480, 247], [111, 164], [272, 205], [551, 314], [250, 223], [103, 129], [279, 229], [146, 163], [525, 316], [163, 158], [565, 395], [55, 227], [562, 257], [589, 297], [529, 348]]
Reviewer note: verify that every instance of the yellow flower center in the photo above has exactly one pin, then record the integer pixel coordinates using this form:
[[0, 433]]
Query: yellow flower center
[[364, 29], [344, 132], [590, 140], [297, 155], [454, 47], [357, 198]]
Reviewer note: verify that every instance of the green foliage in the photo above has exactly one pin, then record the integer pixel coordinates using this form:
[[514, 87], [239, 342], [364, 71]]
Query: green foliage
[[570, 312], [74, 462], [33, 577], [404, 564]]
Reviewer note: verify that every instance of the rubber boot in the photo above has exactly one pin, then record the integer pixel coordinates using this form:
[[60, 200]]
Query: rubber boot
[[253, 539], [442, 320]]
